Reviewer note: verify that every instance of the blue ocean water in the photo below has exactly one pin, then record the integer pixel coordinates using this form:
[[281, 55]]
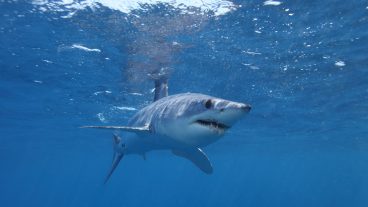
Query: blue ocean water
[[301, 64]]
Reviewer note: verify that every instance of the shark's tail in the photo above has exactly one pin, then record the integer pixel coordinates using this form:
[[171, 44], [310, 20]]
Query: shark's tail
[[118, 147]]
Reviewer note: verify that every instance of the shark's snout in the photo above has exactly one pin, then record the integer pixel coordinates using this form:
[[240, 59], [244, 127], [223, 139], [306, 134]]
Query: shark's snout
[[246, 107], [243, 107]]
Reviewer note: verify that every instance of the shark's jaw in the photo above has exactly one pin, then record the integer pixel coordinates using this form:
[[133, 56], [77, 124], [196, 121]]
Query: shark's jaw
[[209, 126], [212, 124]]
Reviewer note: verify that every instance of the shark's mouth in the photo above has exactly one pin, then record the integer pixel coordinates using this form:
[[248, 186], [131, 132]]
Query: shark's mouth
[[212, 124]]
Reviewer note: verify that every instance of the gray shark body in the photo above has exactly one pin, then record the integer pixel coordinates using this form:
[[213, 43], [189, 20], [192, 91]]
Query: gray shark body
[[182, 123]]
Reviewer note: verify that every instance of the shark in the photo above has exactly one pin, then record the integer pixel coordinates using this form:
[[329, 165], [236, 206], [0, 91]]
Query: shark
[[183, 123]]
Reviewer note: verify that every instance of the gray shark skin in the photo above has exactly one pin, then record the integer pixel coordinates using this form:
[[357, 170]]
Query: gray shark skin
[[189, 119], [182, 123]]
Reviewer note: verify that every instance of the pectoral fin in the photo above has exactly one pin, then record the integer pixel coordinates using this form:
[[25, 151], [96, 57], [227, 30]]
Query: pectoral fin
[[197, 157], [124, 128]]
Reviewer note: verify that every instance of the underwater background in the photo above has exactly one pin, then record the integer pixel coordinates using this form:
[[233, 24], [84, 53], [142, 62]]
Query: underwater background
[[302, 65]]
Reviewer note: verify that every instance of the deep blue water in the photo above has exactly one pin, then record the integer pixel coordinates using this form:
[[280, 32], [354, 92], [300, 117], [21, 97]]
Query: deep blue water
[[302, 65]]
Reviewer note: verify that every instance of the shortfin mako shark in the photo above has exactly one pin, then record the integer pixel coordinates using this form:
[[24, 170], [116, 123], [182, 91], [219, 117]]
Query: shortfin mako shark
[[183, 123]]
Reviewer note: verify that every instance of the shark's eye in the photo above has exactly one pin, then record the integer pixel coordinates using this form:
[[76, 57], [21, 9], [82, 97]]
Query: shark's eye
[[208, 104]]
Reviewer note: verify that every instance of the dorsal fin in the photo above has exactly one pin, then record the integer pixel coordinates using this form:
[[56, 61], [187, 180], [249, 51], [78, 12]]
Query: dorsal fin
[[161, 89], [161, 77]]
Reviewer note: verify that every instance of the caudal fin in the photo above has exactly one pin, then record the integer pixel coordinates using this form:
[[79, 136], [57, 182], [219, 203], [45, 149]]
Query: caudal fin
[[118, 155]]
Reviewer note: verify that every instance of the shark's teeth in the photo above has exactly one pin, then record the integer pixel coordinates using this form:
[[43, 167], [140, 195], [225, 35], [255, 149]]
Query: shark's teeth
[[213, 124]]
